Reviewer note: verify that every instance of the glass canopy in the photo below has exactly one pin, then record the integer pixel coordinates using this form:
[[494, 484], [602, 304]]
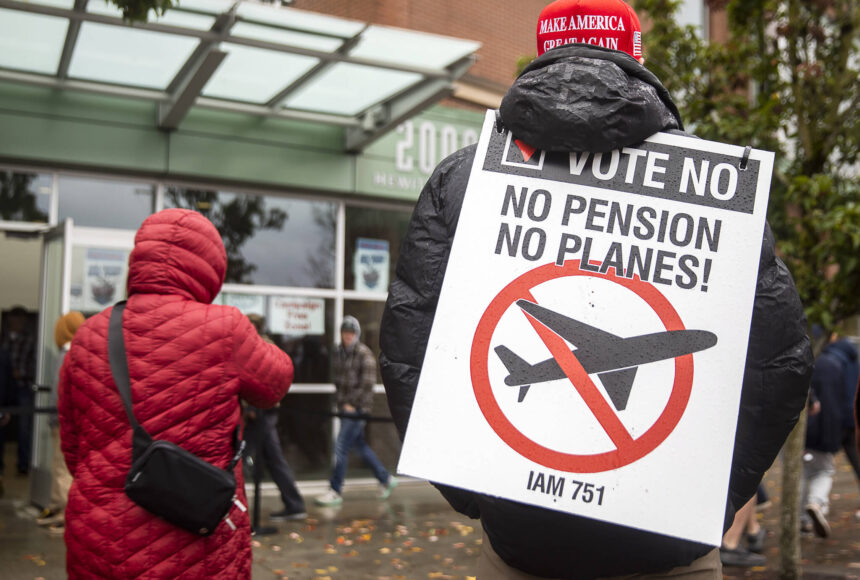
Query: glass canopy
[[239, 55]]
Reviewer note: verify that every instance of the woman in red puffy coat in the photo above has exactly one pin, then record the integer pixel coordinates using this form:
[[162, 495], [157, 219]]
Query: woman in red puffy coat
[[189, 362]]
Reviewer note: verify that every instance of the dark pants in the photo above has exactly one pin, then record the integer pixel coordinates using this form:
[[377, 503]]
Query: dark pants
[[2, 446], [26, 398], [264, 429]]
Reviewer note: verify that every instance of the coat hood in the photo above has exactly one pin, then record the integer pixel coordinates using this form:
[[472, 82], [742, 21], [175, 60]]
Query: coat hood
[[177, 251], [585, 98], [845, 348]]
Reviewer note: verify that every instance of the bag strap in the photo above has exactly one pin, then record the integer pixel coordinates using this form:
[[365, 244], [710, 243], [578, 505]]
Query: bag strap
[[119, 369]]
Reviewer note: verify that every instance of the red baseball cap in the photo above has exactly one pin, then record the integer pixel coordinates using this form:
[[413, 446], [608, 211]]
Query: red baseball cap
[[607, 23]]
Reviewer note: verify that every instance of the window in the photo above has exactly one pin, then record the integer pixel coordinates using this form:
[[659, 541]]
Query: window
[[25, 197], [300, 326], [97, 279], [105, 204], [373, 239], [270, 241]]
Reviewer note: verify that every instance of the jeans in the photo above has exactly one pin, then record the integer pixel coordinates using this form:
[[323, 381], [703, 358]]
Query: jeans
[[351, 436], [818, 473]]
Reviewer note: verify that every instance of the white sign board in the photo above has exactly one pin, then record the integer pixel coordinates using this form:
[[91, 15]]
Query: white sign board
[[296, 316], [105, 272], [591, 332]]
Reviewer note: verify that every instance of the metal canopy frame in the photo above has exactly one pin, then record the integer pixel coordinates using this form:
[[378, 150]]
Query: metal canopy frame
[[186, 88]]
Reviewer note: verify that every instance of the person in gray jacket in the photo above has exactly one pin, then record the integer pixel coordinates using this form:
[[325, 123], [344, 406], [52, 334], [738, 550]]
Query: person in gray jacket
[[574, 98], [354, 377]]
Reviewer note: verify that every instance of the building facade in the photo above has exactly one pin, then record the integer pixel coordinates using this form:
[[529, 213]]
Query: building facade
[[312, 188]]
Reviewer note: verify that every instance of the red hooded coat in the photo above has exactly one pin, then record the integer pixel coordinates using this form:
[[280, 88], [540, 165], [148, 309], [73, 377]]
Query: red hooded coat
[[189, 363]]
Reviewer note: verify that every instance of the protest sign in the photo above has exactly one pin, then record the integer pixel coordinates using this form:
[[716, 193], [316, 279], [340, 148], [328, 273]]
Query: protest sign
[[588, 348]]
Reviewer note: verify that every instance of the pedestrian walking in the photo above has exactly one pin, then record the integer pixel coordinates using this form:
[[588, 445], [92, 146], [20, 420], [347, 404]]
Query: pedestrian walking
[[189, 363], [20, 344], [53, 516], [588, 92], [835, 369], [355, 375], [7, 385], [264, 444]]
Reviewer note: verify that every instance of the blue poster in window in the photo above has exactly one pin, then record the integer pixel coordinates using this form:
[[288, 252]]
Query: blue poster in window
[[370, 265]]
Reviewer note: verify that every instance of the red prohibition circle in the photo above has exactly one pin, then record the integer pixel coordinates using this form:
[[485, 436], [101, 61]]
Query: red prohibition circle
[[623, 455]]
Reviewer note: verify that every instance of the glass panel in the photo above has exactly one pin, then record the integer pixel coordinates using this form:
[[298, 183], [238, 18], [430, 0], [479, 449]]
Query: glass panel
[[411, 48], [31, 42], [305, 430], [301, 326], [369, 315], [272, 241], [105, 204], [52, 309], [281, 36], [300, 19], [254, 74], [97, 278], [126, 56], [56, 3], [348, 89], [373, 238], [173, 17], [381, 435], [25, 197]]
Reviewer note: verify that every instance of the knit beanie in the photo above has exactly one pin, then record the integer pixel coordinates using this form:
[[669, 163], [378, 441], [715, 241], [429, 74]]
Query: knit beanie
[[350, 324], [66, 327], [607, 23]]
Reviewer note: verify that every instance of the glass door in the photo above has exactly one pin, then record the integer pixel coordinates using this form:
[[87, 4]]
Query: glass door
[[56, 264]]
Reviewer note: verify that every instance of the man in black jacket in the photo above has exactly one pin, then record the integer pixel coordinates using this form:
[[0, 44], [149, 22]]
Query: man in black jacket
[[584, 95]]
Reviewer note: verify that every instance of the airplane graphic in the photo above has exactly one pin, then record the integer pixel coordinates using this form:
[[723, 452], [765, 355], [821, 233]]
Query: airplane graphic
[[613, 358]]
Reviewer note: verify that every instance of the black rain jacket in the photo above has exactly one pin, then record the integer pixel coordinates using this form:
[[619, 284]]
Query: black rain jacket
[[584, 98]]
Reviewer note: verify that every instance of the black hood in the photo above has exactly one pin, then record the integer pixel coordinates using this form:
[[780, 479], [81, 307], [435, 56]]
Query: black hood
[[586, 98]]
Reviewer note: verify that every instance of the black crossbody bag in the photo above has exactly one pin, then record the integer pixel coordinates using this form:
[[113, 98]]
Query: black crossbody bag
[[165, 479]]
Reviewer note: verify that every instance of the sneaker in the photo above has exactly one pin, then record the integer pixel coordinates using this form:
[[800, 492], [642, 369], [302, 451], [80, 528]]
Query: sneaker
[[740, 557], [385, 489], [57, 529], [819, 522], [330, 498], [284, 515], [50, 517], [755, 542]]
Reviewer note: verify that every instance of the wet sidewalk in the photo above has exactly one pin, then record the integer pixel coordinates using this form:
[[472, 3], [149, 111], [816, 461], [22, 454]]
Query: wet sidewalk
[[412, 535]]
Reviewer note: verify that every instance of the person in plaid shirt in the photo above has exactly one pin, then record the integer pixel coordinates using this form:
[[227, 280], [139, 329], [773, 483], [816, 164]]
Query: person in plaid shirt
[[354, 377]]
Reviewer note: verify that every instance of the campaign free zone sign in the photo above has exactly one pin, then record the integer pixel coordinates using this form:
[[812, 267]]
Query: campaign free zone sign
[[588, 348]]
